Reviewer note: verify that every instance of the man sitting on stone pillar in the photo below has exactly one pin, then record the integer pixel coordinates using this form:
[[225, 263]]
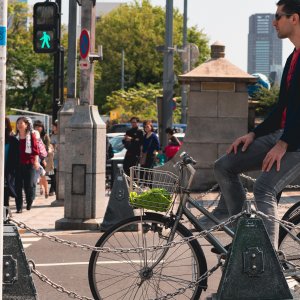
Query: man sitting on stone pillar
[[274, 145]]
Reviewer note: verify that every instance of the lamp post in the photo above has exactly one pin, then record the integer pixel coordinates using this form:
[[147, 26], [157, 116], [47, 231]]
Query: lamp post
[[168, 75]]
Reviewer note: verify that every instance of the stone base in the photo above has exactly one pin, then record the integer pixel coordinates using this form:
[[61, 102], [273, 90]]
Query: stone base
[[77, 224], [58, 202]]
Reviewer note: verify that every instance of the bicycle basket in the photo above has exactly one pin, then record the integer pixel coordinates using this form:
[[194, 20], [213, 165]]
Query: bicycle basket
[[151, 189]]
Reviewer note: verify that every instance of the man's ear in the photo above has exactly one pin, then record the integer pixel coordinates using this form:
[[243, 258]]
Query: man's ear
[[295, 18]]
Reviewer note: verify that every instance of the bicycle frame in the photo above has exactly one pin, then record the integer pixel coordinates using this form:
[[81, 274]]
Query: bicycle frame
[[183, 210]]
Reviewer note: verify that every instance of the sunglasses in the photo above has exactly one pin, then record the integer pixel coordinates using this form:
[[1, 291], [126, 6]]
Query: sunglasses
[[278, 16]]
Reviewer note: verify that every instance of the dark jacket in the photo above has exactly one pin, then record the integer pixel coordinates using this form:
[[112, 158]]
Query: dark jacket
[[134, 146], [289, 98]]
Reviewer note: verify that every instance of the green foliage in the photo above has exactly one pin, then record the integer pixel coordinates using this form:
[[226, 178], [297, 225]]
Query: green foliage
[[140, 101], [29, 75], [137, 28], [266, 100]]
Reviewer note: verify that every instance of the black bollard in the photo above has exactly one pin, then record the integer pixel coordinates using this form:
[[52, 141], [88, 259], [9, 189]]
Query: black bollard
[[17, 279], [118, 207], [252, 268]]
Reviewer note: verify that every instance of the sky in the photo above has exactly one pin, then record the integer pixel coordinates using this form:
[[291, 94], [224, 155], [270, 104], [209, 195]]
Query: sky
[[225, 21]]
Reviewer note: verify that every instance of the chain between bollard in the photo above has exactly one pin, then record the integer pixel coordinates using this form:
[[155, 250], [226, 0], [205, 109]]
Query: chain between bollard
[[54, 285], [128, 250]]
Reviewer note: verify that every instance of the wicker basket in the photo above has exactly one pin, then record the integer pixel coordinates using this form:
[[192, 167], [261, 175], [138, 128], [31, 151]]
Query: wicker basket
[[151, 189]]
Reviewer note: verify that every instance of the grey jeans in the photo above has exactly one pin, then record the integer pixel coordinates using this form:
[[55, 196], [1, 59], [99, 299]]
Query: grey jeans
[[268, 184]]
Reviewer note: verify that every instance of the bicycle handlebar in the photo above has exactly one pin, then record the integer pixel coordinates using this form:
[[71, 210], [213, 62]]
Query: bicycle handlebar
[[187, 159]]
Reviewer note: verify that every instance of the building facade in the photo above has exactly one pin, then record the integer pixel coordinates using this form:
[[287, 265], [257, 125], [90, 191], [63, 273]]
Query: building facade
[[264, 47]]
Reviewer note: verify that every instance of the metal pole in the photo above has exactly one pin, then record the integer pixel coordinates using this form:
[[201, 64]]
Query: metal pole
[[168, 76], [87, 76], [3, 31], [72, 50], [61, 73], [122, 70], [56, 71], [184, 67]]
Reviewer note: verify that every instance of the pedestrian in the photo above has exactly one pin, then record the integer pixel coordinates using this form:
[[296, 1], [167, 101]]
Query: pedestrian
[[273, 146], [39, 126], [40, 176], [9, 168], [150, 146], [173, 143], [27, 161], [54, 143], [132, 141]]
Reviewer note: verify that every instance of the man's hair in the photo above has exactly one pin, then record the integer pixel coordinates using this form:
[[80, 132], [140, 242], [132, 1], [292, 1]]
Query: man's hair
[[134, 118], [290, 6]]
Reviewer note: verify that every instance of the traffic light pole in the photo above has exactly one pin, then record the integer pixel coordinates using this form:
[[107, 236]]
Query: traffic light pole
[[58, 72], [3, 30]]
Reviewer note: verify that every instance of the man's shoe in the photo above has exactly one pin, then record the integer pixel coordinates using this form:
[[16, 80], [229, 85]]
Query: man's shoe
[[28, 207], [19, 211], [227, 247]]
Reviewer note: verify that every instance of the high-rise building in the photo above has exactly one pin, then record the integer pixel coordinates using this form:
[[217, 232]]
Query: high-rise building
[[264, 47]]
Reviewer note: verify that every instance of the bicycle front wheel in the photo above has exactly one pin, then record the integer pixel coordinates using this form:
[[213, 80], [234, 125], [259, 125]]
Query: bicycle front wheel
[[130, 275]]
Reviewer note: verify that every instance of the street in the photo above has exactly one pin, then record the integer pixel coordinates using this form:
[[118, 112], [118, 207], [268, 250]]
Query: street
[[68, 267]]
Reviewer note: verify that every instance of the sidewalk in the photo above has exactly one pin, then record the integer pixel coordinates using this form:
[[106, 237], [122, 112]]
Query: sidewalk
[[43, 216]]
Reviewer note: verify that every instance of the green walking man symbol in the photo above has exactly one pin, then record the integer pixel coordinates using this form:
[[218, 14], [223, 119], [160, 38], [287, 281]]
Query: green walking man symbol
[[45, 39]]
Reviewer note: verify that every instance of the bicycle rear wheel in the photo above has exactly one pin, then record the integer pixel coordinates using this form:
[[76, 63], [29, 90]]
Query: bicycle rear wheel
[[129, 275], [291, 250], [292, 211]]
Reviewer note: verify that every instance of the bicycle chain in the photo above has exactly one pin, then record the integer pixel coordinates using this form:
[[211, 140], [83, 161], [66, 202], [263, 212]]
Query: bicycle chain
[[54, 285]]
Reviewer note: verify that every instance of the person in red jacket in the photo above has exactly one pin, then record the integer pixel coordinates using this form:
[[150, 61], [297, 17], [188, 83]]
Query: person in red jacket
[[27, 161]]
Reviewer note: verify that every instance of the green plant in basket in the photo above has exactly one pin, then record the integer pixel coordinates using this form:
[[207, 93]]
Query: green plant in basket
[[157, 199]]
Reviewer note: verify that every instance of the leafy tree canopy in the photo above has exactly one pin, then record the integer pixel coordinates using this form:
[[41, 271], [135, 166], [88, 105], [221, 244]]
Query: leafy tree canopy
[[266, 100], [29, 75], [137, 28]]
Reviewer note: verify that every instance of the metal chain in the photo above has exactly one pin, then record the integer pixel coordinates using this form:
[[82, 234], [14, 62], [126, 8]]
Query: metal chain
[[56, 286], [171, 244], [297, 186], [191, 285]]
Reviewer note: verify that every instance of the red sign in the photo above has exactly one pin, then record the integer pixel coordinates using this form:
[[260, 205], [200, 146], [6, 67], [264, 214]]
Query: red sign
[[84, 44]]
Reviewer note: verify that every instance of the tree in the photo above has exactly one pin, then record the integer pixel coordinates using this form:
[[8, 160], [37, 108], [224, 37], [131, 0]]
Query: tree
[[29, 75], [266, 100], [137, 28], [140, 101]]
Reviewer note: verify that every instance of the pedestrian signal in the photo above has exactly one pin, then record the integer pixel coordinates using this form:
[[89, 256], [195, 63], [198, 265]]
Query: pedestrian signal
[[45, 27]]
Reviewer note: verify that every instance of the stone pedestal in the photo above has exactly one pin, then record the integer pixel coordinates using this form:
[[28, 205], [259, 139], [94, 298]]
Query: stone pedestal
[[64, 117], [85, 145], [217, 113]]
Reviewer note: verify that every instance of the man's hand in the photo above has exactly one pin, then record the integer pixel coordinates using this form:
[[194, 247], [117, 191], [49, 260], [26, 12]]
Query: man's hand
[[274, 155], [246, 139], [128, 138]]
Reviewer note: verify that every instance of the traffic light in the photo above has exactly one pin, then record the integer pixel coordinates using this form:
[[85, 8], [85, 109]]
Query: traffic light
[[45, 27]]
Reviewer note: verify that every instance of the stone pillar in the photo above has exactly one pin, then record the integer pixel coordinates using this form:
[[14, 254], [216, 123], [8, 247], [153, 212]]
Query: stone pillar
[[85, 148], [217, 112], [68, 107]]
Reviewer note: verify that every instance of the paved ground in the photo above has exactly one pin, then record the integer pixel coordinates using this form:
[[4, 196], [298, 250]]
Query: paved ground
[[43, 216]]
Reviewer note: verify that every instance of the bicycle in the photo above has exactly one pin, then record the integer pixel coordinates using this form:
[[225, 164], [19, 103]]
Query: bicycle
[[159, 253]]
